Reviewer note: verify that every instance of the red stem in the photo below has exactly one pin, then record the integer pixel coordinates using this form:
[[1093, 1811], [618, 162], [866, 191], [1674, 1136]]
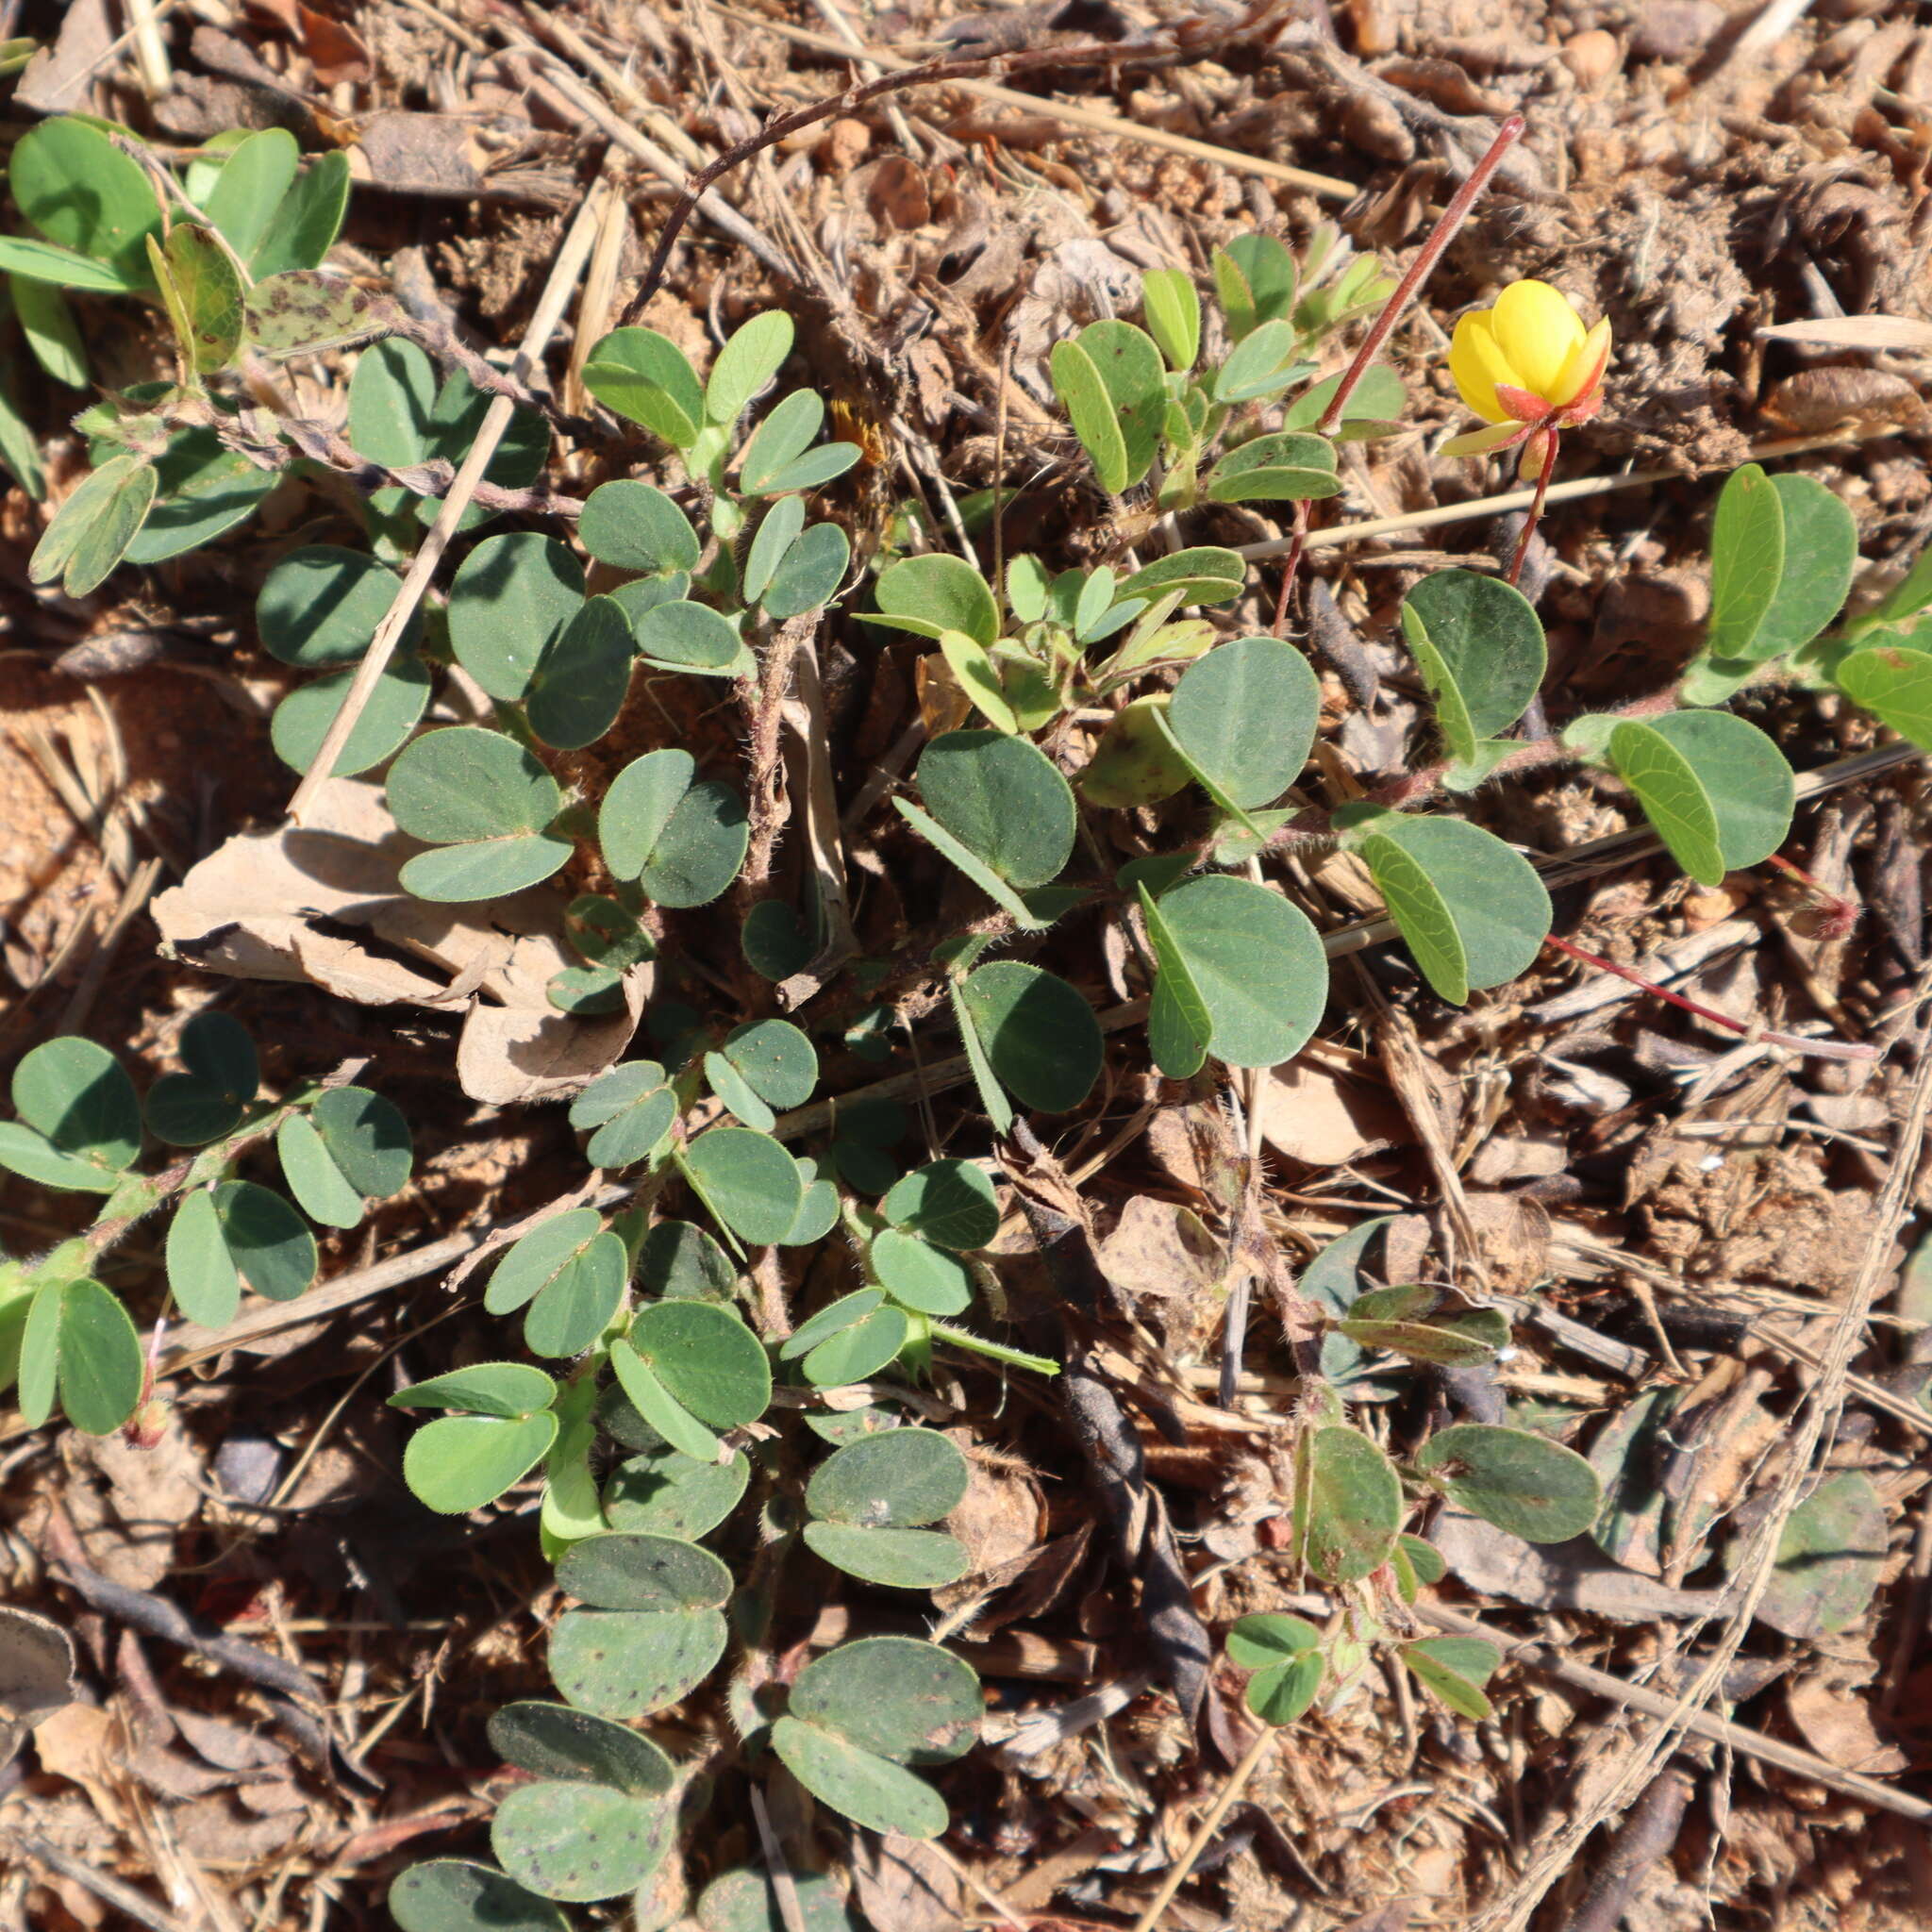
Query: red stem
[[1536, 510], [1290, 569], [1452, 218], [1792, 1042]]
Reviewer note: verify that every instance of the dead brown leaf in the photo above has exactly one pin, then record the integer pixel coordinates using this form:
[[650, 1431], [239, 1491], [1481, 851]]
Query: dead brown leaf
[[320, 902], [1324, 1119], [1837, 1725], [36, 1675]]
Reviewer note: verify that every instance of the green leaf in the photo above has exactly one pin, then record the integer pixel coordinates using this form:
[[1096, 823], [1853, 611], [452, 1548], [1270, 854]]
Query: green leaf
[[949, 1202], [627, 1663], [919, 1275], [857, 1784], [1254, 276], [630, 525], [680, 635], [462, 1462], [747, 1180], [250, 187], [79, 1339], [571, 1274], [510, 1389], [1481, 653], [1717, 790], [1456, 1668], [661, 1410], [320, 606], [510, 601], [302, 312], [202, 1275], [900, 1478], [1896, 686], [83, 193], [1747, 560], [1178, 1023], [1284, 1653], [1263, 363], [774, 1059], [856, 1353], [778, 460], [1472, 910], [1130, 369], [776, 528], [834, 1319], [1253, 967], [1523, 1483], [579, 684], [1291, 468], [629, 1570], [930, 595], [205, 285], [1038, 1036], [206, 1102], [1172, 312], [580, 1842], [1246, 714], [670, 1493], [553, 1740], [1821, 552], [1089, 408], [748, 360], [1003, 800], [1399, 1320], [486, 800], [51, 331], [78, 1097], [646, 378], [1348, 1504], [708, 1360], [1135, 762], [455, 1895], [1377, 398], [1206, 576], [810, 573], [313, 1178], [201, 491], [906, 1699], [683, 843], [627, 1111], [746, 1900], [400, 696], [894, 1558], [1829, 1558], [679, 1261], [92, 529], [305, 227], [268, 1242], [63, 268]]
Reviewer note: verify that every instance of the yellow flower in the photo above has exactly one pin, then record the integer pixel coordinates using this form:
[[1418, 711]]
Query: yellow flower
[[1530, 358]]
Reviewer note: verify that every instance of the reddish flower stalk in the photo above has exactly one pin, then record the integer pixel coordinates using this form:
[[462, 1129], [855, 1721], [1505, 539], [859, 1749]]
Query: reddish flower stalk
[[1419, 270], [1792, 1042]]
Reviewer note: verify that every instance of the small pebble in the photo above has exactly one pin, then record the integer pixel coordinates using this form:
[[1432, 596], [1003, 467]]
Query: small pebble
[[1593, 58]]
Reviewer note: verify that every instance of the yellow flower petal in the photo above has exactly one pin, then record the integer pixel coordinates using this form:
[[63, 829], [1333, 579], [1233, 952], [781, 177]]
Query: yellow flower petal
[[1536, 328], [1584, 365], [1478, 364]]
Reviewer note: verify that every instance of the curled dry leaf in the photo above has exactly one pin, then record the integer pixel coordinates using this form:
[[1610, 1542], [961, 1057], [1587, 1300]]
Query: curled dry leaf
[[320, 902], [1818, 400], [1310, 1114], [36, 1675]]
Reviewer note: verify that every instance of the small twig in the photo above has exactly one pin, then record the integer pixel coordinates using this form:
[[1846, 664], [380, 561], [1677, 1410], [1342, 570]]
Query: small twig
[[571, 258], [1203, 1835], [784, 1887], [1536, 509], [158, 1617], [1419, 270]]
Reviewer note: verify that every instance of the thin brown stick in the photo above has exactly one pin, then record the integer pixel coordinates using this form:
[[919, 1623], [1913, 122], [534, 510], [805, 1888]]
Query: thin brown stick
[[571, 258], [1647, 1833], [1697, 1724], [1203, 1834]]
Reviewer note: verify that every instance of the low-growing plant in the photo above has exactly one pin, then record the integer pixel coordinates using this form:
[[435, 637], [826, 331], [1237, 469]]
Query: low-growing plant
[[80, 1127], [681, 1404]]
